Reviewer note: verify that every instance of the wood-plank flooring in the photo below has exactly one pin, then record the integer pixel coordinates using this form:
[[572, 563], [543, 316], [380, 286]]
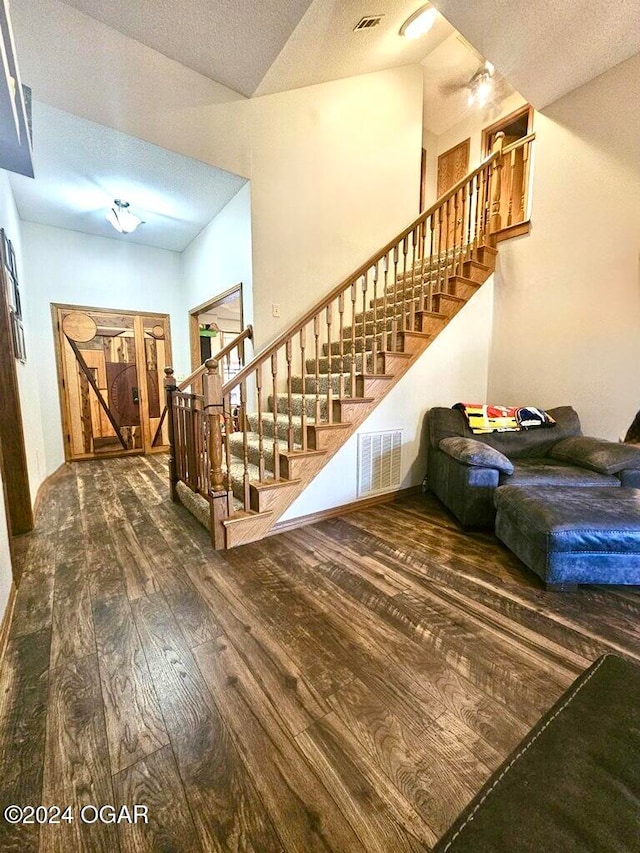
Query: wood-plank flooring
[[342, 687]]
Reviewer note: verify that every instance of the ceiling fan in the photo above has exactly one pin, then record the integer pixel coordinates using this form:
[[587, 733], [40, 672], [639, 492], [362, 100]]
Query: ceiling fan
[[482, 87]]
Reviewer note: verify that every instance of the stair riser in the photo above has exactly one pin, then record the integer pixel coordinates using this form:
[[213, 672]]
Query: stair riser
[[323, 384], [296, 405], [253, 452], [337, 365], [429, 324], [475, 271], [360, 346], [283, 428], [443, 305]]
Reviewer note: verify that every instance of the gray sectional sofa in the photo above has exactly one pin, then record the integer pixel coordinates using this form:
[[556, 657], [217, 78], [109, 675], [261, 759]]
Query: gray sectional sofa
[[464, 470]]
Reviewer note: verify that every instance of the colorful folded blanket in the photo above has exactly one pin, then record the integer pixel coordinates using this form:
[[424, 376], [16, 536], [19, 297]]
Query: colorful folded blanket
[[484, 419]]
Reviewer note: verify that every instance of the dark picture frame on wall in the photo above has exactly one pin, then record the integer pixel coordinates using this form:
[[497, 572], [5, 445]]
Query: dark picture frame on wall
[[12, 296]]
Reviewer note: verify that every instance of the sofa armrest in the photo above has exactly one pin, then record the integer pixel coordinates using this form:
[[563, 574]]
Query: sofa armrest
[[605, 457], [476, 454]]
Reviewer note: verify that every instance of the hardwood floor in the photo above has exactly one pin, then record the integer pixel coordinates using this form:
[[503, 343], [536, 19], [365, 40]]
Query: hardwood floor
[[342, 687]]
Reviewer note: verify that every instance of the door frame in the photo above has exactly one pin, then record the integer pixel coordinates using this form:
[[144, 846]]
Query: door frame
[[194, 326], [503, 122], [65, 414]]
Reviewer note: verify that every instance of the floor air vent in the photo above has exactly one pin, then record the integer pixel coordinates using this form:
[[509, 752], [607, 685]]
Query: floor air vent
[[379, 462]]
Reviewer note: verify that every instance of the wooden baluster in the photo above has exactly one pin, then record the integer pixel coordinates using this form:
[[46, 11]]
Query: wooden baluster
[[169, 389], [354, 296], [423, 262], [440, 221], [454, 234], [316, 334], [512, 184], [432, 231], [526, 156], [446, 244], [303, 332], [329, 318], [245, 447], [341, 345], [260, 425], [484, 234], [495, 223], [374, 343], [461, 230], [213, 410], [385, 308], [396, 307], [276, 443], [478, 203], [469, 189], [412, 309], [228, 429], [363, 280], [403, 319], [288, 356]]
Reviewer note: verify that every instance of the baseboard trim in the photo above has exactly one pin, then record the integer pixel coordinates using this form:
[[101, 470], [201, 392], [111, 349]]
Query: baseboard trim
[[518, 229], [5, 626], [42, 489], [344, 509]]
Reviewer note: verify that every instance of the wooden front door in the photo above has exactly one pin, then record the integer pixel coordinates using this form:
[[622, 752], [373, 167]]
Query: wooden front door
[[110, 369], [453, 165]]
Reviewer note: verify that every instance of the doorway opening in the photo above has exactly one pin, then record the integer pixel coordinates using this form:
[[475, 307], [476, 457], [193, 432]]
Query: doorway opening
[[212, 325]]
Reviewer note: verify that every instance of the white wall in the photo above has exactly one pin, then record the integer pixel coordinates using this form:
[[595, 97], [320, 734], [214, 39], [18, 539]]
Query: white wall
[[567, 309], [69, 267], [220, 257], [28, 372], [453, 369], [335, 172]]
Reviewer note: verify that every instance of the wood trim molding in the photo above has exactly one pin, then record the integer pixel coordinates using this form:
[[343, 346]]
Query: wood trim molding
[[5, 625], [194, 326], [505, 121], [44, 487], [518, 229], [344, 509]]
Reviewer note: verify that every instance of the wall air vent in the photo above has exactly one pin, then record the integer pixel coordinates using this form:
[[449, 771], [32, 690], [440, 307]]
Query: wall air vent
[[379, 462], [368, 22]]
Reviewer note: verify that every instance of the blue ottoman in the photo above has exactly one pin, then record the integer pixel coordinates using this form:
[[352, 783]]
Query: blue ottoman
[[570, 536]]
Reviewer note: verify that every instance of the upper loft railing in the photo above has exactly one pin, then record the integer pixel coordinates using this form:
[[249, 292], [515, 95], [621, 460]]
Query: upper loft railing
[[344, 337]]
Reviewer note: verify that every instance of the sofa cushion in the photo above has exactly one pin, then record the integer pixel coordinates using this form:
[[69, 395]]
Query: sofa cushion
[[606, 457], [447, 423], [544, 472], [476, 453]]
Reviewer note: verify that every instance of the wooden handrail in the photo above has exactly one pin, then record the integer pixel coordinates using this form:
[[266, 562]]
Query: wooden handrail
[[295, 328], [518, 143], [199, 371]]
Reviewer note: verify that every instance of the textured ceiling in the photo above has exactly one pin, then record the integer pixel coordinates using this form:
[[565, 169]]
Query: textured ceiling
[[231, 41], [81, 167], [546, 48], [325, 47]]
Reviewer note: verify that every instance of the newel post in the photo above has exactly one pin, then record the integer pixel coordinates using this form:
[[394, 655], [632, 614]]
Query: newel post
[[217, 491], [169, 388], [495, 221]]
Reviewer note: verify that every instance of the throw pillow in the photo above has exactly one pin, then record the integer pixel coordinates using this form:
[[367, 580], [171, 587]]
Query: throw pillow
[[605, 457], [476, 453]]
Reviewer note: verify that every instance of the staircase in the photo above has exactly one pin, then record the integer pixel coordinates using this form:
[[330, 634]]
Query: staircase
[[244, 451]]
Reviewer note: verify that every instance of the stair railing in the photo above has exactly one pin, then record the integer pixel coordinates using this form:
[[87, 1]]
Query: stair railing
[[196, 426], [330, 352]]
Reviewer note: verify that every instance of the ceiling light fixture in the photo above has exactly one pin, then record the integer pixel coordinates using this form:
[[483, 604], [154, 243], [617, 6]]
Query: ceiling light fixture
[[480, 87], [419, 23], [122, 219]]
